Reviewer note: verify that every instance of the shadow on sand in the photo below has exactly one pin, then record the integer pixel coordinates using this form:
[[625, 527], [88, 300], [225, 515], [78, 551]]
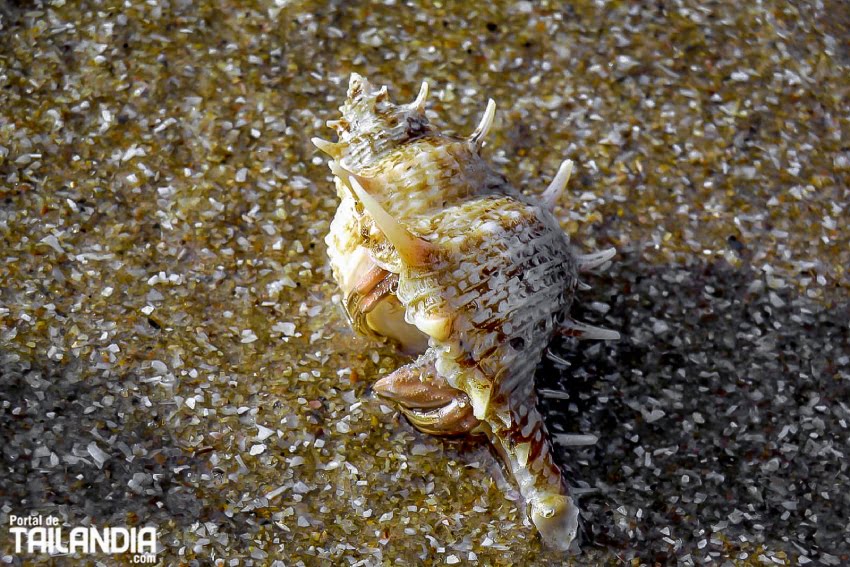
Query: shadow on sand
[[722, 415]]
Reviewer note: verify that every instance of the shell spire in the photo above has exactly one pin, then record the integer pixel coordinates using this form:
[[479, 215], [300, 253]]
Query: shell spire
[[373, 126], [476, 139], [360, 87]]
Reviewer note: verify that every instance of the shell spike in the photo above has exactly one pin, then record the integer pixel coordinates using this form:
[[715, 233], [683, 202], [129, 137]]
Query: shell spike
[[583, 286], [412, 249], [575, 439], [421, 98], [571, 328], [589, 261], [476, 139], [330, 148], [339, 125], [553, 193]]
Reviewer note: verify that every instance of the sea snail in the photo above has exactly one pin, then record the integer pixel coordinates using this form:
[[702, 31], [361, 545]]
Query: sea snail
[[435, 250]]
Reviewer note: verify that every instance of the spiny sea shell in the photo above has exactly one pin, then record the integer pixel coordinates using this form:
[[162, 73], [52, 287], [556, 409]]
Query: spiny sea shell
[[435, 250]]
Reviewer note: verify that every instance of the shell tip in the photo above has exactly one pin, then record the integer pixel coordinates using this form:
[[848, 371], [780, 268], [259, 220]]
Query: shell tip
[[556, 517]]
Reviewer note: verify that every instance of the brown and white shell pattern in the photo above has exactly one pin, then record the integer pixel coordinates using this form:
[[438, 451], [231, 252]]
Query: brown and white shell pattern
[[435, 250]]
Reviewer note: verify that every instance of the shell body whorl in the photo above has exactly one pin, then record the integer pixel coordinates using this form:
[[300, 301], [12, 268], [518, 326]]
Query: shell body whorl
[[434, 249]]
